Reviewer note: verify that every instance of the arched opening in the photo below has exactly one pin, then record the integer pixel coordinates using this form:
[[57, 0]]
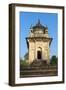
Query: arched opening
[[39, 53]]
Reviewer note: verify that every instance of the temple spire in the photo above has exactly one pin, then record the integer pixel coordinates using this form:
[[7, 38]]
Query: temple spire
[[38, 21]]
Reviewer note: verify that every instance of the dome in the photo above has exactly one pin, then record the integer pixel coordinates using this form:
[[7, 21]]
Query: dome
[[39, 25]]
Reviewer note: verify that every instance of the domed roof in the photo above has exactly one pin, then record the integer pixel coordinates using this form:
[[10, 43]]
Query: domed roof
[[39, 25]]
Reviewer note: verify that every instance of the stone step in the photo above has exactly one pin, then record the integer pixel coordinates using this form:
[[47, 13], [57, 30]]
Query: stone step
[[40, 68], [38, 73]]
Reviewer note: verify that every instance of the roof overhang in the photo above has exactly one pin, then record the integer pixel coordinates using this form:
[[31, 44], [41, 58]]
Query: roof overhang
[[38, 39]]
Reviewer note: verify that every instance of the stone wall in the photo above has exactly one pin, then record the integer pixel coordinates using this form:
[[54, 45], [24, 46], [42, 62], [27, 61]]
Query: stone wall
[[33, 48]]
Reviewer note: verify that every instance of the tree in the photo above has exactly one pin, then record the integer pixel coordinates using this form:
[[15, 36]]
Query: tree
[[54, 60], [26, 56], [23, 63]]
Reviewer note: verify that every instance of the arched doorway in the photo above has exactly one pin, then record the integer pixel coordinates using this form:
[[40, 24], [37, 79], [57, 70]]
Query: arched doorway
[[39, 53]]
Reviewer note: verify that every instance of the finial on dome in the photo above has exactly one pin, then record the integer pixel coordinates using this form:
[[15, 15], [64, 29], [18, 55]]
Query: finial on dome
[[38, 21]]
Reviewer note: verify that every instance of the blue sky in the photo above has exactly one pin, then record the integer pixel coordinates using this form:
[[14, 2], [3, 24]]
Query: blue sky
[[30, 18]]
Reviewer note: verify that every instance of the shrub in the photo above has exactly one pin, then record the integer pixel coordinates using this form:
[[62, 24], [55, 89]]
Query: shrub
[[24, 63], [54, 60]]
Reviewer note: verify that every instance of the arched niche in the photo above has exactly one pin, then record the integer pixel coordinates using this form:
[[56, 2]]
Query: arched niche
[[39, 53]]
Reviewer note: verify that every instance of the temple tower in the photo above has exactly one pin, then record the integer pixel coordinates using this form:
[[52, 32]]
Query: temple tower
[[38, 43]]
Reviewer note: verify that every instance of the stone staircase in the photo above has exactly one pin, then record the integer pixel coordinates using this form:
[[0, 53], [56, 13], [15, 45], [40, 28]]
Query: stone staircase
[[39, 69]]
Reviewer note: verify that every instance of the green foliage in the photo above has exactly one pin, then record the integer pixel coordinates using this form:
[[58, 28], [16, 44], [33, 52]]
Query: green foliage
[[26, 56], [24, 63], [54, 60]]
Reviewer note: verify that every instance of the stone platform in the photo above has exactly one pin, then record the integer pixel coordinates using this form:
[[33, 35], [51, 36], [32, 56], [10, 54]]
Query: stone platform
[[39, 69]]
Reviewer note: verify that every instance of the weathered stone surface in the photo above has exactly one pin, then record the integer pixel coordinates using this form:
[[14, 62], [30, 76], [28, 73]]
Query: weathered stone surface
[[36, 46], [38, 43], [38, 71]]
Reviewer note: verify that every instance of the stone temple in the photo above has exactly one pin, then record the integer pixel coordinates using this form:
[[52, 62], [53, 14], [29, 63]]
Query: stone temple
[[38, 43]]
